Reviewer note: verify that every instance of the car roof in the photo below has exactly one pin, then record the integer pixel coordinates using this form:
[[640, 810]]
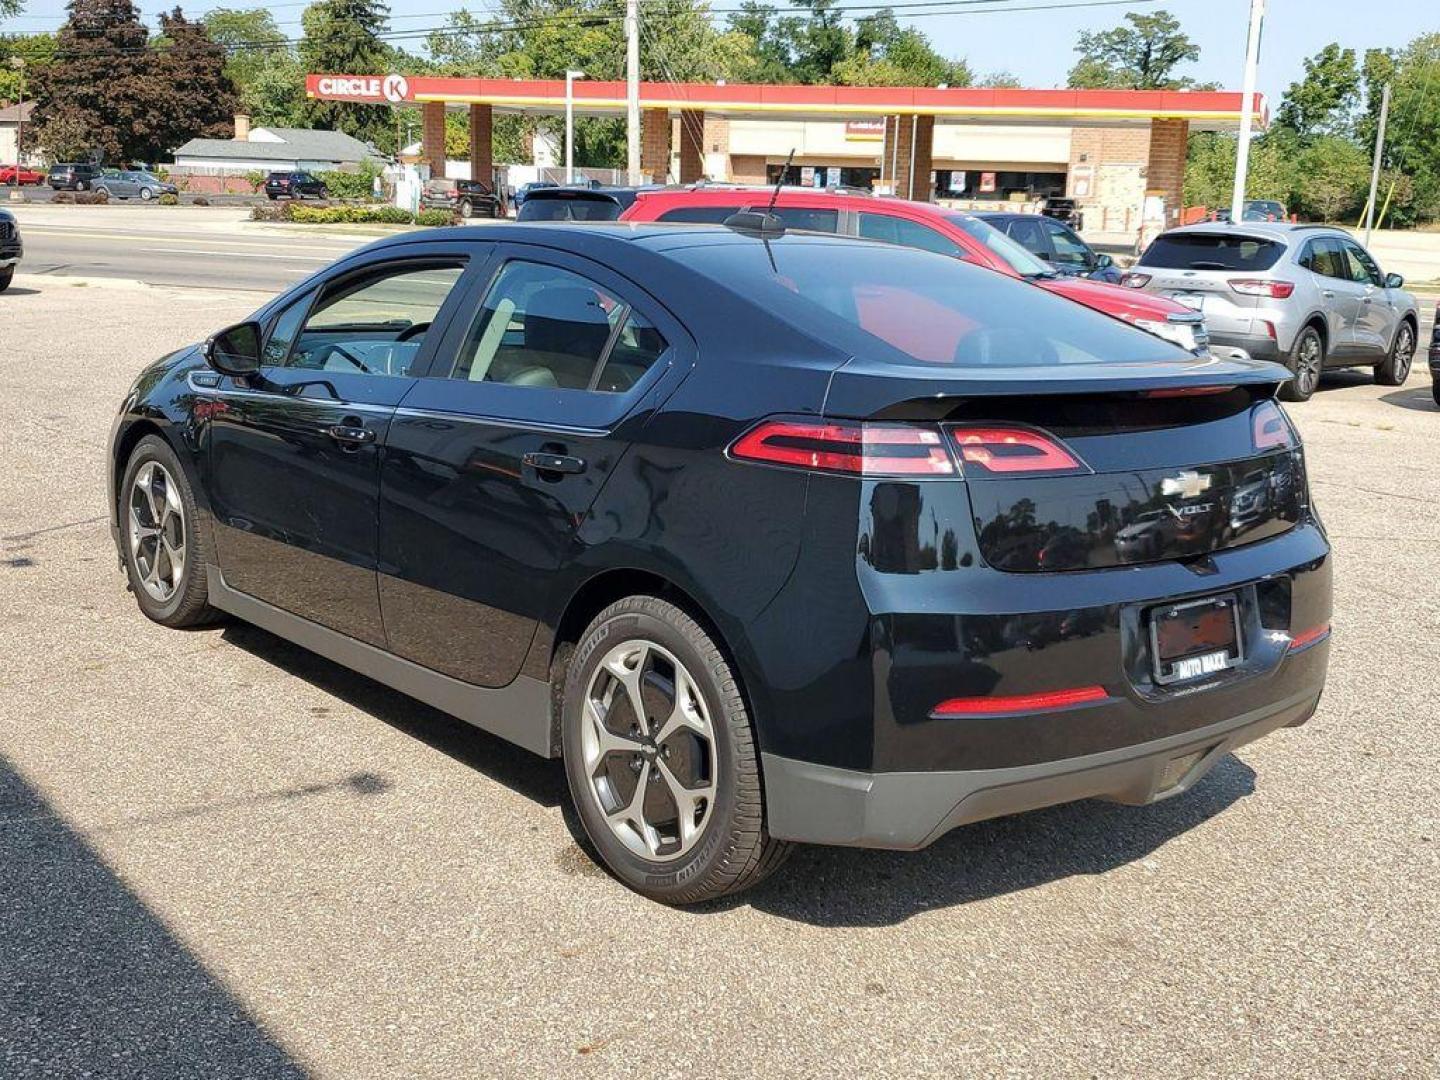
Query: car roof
[[718, 195], [1282, 231]]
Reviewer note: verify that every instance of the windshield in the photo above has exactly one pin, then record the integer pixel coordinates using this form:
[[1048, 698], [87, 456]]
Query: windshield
[[1211, 251], [1020, 260], [911, 305]]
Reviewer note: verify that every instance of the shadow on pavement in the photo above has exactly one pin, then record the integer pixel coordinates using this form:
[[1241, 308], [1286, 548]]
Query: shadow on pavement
[[1419, 398], [849, 887], [523, 772], [93, 984]]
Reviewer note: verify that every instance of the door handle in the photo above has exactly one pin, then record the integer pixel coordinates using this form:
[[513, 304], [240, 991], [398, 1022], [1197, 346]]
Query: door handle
[[350, 437], [1328, 294], [553, 463]]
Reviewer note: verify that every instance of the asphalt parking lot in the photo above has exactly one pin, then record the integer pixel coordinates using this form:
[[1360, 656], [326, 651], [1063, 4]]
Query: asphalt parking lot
[[222, 856]]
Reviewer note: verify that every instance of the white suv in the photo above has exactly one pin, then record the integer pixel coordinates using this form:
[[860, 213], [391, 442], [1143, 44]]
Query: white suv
[[1306, 296]]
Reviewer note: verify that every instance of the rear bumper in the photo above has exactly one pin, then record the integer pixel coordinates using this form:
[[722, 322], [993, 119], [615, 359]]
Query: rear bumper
[[1259, 346], [821, 804]]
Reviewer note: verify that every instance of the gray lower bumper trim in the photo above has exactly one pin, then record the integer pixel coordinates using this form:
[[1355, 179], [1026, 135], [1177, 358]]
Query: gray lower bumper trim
[[820, 804]]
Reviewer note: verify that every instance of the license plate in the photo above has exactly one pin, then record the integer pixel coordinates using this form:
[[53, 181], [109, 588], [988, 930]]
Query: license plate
[[1195, 639], [1194, 301]]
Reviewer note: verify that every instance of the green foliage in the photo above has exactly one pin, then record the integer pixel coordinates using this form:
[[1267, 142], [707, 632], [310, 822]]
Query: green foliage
[[435, 218], [36, 50], [1324, 101], [1142, 55], [350, 185], [349, 215], [269, 79], [342, 36], [170, 200], [1321, 179], [114, 96], [256, 179], [9, 8]]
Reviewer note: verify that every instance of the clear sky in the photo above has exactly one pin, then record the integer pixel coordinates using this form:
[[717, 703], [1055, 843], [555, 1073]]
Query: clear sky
[[1036, 46]]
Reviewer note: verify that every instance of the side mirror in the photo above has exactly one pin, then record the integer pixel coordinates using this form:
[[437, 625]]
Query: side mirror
[[235, 350], [1103, 262], [1394, 281]]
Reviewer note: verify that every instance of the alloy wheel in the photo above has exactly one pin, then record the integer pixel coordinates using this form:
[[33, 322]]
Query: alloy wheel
[[648, 748], [157, 531], [1307, 365], [1404, 352]]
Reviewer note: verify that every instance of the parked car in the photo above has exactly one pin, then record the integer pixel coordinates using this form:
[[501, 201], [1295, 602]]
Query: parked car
[[467, 198], [1056, 243], [134, 184], [739, 529], [12, 248], [16, 175], [921, 225], [1308, 296], [1064, 210], [73, 176], [294, 185], [523, 191], [587, 202]]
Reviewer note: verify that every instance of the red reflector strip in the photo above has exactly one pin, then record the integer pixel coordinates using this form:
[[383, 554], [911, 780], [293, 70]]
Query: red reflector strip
[[1270, 430], [1189, 391], [1021, 703], [860, 449], [1309, 637], [1012, 450]]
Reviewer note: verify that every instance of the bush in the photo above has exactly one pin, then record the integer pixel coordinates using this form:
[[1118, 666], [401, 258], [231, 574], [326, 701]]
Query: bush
[[90, 198], [435, 218], [256, 179], [63, 197], [350, 215], [199, 200], [168, 200], [349, 185]]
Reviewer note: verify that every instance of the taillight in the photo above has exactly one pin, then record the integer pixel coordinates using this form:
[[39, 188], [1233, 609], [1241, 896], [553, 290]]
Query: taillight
[[1134, 281], [1188, 391], [857, 449], [1021, 703], [1269, 427], [1006, 451], [1306, 638], [1276, 290]]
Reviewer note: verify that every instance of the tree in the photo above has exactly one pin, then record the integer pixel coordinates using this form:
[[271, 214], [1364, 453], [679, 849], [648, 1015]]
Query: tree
[[1140, 56], [264, 68], [885, 54], [1324, 101], [188, 68], [1412, 141], [36, 50], [343, 36], [10, 8]]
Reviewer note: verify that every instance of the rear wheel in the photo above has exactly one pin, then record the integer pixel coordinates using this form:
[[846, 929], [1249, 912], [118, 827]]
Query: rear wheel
[[467, 209], [166, 555], [661, 758], [7, 275], [1395, 368], [1435, 391], [147, 194], [1307, 358]]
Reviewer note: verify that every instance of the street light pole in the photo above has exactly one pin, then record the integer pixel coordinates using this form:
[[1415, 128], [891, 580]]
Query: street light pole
[[1375, 169], [570, 77], [18, 63], [632, 91], [1247, 110]]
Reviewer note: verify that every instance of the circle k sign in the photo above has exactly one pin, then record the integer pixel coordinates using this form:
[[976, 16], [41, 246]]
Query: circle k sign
[[395, 88]]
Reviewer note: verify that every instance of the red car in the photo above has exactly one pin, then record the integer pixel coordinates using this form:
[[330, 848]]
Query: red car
[[922, 225], [10, 175]]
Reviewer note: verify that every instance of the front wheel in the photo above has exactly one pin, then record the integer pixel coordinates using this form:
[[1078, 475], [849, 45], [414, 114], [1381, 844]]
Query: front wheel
[[146, 194], [1435, 391], [166, 553], [7, 275], [661, 758], [1395, 368], [1307, 358]]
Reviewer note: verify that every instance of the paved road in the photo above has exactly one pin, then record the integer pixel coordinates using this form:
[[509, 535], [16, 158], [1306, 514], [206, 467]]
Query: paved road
[[222, 856], [206, 248]]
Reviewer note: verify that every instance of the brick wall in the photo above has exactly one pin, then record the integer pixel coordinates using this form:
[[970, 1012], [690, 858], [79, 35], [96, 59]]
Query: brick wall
[[432, 137], [482, 158], [901, 132], [1166, 175], [1107, 171], [692, 146], [655, 144]]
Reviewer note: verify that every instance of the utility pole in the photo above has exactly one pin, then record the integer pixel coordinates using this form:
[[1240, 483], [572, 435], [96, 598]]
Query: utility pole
[[570, 77], [632, 91], [18, 63], [1375, 169], [1247, 109]]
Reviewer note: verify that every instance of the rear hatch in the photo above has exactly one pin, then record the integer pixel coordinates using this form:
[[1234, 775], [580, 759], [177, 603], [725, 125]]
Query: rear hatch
[[1200, 270], [1062, 477]]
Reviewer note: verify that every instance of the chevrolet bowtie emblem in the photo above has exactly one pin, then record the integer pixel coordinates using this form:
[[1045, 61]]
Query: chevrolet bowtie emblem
[[1187, 485]]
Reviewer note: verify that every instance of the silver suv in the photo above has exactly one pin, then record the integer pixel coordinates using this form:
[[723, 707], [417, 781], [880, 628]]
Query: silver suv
[[1307, 296]]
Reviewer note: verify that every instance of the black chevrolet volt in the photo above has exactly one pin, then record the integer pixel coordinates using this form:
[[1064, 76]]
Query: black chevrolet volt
[[771, 538]]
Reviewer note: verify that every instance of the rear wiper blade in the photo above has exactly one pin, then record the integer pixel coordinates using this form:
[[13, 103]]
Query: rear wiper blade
[[1203, 265]]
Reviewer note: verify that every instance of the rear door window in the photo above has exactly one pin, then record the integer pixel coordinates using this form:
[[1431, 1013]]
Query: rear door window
[[699, 215], [801, 218], [1325, 258], [898, 230], [1030, 235], [1212, 251]]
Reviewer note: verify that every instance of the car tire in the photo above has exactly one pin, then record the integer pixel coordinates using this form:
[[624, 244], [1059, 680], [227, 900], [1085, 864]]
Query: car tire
[[1395, 368], [146, 194], [158, 520], [647, 648], [466, 209], [1435, 391], [1307, 361], [81, 185], [7, 275]]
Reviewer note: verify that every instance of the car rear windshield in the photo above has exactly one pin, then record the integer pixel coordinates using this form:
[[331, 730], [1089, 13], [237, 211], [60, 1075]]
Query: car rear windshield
[[569, 208], [913, 305], [1211, 251]]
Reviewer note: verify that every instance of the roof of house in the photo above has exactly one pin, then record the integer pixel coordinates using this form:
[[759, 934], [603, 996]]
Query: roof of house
[[12, 113], [290, 144]]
